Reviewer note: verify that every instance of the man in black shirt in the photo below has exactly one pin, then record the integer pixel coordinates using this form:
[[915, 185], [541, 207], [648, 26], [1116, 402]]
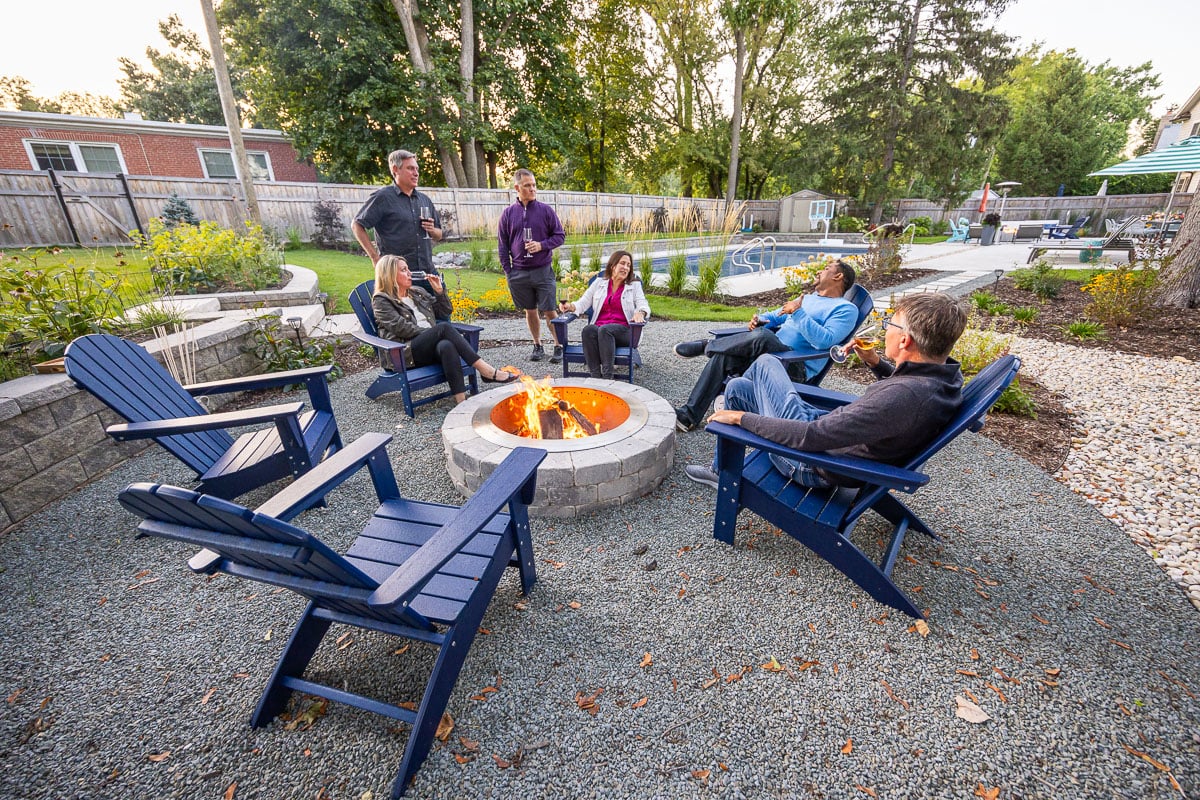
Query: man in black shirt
[[395, 214]]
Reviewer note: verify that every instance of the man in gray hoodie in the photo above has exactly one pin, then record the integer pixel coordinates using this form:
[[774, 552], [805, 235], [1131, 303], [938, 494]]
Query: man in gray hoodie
[[891, 422]]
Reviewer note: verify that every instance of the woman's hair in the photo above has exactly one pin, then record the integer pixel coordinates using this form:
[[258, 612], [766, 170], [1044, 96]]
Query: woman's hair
[[385, 274], [612, 262]]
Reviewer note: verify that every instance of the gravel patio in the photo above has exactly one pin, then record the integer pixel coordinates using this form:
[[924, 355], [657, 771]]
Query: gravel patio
[[126, 675]]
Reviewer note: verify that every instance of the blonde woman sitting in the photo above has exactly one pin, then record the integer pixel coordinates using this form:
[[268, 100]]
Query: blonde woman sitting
[[407, 313], [616, 299]]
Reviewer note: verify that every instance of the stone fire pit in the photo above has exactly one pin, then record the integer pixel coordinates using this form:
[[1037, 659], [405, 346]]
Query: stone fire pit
[[578, 475]]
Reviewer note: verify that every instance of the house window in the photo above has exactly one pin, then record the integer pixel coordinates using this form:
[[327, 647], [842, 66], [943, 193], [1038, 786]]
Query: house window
[[1195, 129], [219, 164], [75, 156]]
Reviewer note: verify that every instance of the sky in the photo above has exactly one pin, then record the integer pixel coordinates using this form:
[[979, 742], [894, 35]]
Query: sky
[[80, 51]]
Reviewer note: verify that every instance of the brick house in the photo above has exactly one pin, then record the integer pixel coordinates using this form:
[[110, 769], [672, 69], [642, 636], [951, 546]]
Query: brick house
[[37, 141]]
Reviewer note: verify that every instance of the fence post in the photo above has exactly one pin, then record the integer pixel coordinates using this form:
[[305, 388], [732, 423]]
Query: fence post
[[62, 204], [137, 221]]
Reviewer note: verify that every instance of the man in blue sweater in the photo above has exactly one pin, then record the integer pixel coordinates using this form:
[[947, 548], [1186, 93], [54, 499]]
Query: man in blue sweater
[[818, 320]]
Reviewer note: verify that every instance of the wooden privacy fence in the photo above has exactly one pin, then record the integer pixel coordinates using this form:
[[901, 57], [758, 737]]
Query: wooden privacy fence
[[1064, 209], [46, 208]]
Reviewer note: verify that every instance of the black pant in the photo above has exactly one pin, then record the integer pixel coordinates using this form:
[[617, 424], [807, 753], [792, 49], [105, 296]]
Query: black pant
[[444, 344], [727, 356], [600, 344]]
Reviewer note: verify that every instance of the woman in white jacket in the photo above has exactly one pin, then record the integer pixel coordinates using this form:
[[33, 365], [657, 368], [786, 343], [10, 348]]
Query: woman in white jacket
[[616, 299]]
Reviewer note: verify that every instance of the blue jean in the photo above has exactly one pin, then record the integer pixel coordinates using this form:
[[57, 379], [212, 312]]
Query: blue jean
[[766, 389]]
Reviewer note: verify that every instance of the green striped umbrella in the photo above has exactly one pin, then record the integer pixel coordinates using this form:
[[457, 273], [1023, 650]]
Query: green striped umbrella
[[1182, 156]]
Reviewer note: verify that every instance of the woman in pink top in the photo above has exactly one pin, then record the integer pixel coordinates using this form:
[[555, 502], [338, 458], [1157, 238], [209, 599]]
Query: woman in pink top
[[614, 299]]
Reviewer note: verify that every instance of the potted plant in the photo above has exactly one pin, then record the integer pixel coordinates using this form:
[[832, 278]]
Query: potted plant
[[990, 222]]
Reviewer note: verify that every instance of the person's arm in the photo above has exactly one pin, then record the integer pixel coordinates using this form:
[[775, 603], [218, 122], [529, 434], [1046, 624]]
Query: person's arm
[[557, 234], [442, 307], [822, 335], [364, 240], [584, 303], [391, 322], [435, 224], [504, 239], [640, 304], [877, 415]]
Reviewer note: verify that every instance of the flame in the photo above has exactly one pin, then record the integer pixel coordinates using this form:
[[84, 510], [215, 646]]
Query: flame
[[541, 396]]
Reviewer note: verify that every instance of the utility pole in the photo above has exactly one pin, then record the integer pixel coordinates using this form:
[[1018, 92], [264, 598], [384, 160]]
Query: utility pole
[[229, 108]]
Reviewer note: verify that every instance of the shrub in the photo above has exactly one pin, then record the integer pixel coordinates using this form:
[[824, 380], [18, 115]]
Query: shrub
[[677, 271], [939, 228], [281, 350], [977, 348], [709, 276], [658, 220], [498, 299], [484, 255], [884, 256], [44, 309], [466, 308], [983, 300], [646, 271], [327, 223], [1024, 315], [200, 258], [1121, 296], [921, 225], [1041, 279], [177, 211], [1084, 330], [992, 219], [295, 238], [576, 259], [798, 278], [849, 225]]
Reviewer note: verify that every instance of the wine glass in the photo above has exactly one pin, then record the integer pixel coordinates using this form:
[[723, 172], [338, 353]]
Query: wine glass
[[426, 213], [864, 339], [528, 233]]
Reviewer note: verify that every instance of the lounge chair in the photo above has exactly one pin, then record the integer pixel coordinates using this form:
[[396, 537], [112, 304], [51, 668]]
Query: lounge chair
[[1119, 239]]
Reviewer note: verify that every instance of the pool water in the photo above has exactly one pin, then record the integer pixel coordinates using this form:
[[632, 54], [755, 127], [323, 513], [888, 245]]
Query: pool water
[[785, 256]]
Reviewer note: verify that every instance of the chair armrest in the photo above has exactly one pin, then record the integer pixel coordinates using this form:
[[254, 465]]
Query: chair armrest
[[559, 325], [823, 398], [513, 477], [861, 469], [126, 431], [300, 494], [266, 380], [469, 332], [788, 356], [635, 334], [378, 341]]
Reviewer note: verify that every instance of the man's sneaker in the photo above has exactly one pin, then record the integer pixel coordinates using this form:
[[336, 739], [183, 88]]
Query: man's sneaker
[[719, 403], [556, 354], [691, 349], [702, 474], [538, 353]]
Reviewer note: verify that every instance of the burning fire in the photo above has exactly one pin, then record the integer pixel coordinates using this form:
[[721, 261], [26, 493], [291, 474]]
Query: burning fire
[[545, 415]]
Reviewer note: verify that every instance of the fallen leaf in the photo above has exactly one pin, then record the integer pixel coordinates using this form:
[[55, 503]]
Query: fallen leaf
[[812, 627], [1053, 673], [470, 746], [307, 752], [736, 676], [460, 758], [674, 684], [701, 774], [208, 695], [588, 702], [773, 665], [1102, 623], [344, 641], [682, 592], [974, 654], [1041, 620], [969, 711], [482, 630], [555, 564], [309, 717], [157, 757], [267, 635], [444, 728], [986, 793], [892, 695], [141, 575], [500, 762], [402, 650], [1157, 764], [806, 664], [1120, 644], [848, 747], [866, 790], [922, 627], [996, 689], [409, 704], [711, 682], [647, 660], [229, 792], [640, 703], [1000, 672], [12, 698]]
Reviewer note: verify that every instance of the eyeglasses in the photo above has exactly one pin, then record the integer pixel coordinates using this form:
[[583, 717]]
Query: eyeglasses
[[887, 323]]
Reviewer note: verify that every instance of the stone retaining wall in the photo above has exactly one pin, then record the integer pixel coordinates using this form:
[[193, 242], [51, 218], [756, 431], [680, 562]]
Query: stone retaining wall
[[52, 437]]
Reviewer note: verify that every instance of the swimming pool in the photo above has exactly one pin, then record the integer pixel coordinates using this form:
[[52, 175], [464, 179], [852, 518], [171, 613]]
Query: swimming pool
[[785, 256]]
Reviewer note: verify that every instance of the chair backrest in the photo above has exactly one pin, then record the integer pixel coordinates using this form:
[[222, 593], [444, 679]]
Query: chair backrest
[[255, 546], [127, 379], [1076, 225], [865, 305], [360, 301], [586, 313]]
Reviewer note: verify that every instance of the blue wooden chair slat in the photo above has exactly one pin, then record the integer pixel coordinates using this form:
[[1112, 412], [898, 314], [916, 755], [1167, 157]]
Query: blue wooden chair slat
[[127, 379], [823, 519], [426, 572], [396, 377]]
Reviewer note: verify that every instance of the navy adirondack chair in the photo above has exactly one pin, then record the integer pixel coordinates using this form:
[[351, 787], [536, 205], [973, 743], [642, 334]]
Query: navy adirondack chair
[[1066, 231], [627, 357], [862, 301], [127, 379], [422, 571], [396, 377], [823, 519]]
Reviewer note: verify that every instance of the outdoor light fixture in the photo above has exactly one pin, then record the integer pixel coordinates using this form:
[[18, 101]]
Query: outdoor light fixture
[[999, 273], [295, 322], [323, 299]]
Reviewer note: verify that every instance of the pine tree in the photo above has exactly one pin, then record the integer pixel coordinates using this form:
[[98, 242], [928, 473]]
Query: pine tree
[[178, 212]]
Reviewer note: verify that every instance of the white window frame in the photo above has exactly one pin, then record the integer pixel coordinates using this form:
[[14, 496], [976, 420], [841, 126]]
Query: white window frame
[[76, 153], [200, 151]]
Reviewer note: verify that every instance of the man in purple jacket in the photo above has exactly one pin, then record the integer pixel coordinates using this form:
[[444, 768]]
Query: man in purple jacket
[[895, 417], [529, 232]]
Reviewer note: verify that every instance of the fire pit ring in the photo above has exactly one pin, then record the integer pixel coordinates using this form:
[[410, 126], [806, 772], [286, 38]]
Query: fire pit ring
[[578, 476]]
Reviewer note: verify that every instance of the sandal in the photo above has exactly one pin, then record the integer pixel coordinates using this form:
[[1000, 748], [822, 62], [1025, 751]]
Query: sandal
[[509, 379]]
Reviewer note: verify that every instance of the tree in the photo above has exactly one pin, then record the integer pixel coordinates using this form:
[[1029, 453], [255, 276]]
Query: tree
[[360, 79], [897, 67], [1179, 281], [1069, 119], [16, 94], [179, 86]]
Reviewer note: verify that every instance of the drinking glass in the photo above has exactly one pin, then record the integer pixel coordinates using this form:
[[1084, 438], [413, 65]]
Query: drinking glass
[[426, 213], [528, 233], [864, 338]]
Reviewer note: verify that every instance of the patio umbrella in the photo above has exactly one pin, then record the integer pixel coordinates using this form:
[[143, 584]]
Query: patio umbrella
[[1182, 156]]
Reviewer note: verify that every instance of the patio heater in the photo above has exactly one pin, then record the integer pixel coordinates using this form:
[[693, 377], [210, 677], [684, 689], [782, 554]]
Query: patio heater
[[1005, 187]]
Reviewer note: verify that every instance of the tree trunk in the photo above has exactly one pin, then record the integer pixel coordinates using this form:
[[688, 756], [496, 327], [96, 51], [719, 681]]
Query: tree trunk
[[418, 54], [1179, 283], [735, 125], [466, 73]]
